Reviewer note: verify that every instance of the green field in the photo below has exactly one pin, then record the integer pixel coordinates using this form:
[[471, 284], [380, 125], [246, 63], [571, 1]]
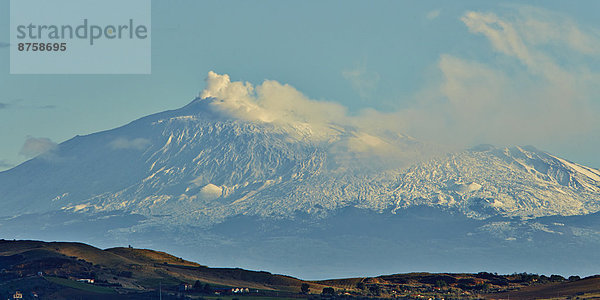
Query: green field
[[80, 285]]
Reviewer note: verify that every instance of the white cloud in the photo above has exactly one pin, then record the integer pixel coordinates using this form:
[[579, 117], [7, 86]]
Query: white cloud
[[5, 164], [433, 14], [544, 27], [134, 144], [501, 34], [37, 146], [532, 93], [364, 82], [514, 39]]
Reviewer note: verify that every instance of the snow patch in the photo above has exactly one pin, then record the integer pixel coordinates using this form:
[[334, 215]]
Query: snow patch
[[60, 197], [210, 192], [594, 175], [463, 188], [76, 208]]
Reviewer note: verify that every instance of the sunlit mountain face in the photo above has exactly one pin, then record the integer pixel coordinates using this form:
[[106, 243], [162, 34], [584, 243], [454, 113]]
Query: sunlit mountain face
[[235, 178]]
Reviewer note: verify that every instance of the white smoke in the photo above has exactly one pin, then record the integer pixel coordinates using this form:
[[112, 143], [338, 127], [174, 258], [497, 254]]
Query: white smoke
[[538, 89], [37, 146], [269, 102]]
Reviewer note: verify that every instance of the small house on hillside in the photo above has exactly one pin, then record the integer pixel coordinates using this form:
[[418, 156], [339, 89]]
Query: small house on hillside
[[240, 290], [185, 287]]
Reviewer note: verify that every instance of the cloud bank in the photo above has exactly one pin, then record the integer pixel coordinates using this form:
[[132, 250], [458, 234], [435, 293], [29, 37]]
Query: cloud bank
[[537, 89]]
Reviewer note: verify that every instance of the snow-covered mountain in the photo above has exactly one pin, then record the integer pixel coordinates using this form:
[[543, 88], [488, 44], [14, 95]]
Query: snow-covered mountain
[[202, 167], [517, 181], [199, 169]]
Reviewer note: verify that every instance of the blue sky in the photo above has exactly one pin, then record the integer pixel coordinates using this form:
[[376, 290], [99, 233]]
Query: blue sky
[[460, 72]]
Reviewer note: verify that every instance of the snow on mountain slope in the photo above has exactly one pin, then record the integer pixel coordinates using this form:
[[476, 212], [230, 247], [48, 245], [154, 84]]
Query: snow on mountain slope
[[201, 165], [485, 181]]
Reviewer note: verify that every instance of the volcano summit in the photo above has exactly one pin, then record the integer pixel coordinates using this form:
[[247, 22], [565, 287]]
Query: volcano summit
[[262, 177]]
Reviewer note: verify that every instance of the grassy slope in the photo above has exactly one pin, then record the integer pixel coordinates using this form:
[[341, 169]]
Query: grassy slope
[[80, 285], [149, 267], [555, 290]]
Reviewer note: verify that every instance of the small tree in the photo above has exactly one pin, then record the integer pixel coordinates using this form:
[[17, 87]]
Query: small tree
[[328, 291], [441, 284], [375, 290], [360, 285], [197, 286], [305, 288], [207, 289]]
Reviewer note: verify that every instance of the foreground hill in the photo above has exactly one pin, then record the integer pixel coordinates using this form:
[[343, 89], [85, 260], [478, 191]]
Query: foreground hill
[[74, 270], [49, 268]]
